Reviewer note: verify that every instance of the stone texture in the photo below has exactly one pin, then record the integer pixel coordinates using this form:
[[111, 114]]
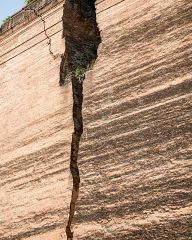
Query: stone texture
[[36, 127], [135, 157], [135, 153]]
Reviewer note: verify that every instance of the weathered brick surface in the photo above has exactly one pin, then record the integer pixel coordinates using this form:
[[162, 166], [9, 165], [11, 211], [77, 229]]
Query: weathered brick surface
[[36, 126], [135, 154]]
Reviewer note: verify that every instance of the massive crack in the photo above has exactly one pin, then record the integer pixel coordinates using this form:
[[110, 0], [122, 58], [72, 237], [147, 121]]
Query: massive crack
[[82, 37]]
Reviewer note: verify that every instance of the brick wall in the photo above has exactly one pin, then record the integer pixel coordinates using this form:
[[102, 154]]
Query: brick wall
[[36, 127], [135, 154]]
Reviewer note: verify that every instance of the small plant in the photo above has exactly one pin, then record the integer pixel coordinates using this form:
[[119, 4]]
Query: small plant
[[6, 20], [79, 72], [28, 1]]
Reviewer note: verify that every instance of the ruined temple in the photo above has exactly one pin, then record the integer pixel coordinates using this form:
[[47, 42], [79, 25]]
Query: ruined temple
[[96, 108]]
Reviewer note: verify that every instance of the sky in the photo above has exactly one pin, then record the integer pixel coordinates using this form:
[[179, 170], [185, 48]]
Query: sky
[[9, 7]]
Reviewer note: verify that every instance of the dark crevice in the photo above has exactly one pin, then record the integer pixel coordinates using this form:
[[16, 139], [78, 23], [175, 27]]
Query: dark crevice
[[82, 37]]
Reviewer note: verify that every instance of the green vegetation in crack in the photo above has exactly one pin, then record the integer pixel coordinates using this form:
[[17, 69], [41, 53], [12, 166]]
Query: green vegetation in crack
[[79, 72], [80, 64], [82, 38]]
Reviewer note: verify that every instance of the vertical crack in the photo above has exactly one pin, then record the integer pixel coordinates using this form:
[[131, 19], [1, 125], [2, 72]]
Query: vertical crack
[[82, 38], [45, 30]]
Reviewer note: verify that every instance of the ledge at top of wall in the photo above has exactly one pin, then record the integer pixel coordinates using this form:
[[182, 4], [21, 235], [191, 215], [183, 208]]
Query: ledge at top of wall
[[26, 15]]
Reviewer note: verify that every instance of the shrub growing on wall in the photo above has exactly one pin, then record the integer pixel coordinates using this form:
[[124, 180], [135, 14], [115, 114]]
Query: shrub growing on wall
[[28, 1], [6, 20]]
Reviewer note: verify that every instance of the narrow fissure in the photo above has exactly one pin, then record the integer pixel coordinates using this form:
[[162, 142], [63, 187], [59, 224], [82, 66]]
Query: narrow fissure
[[82, 38], [45, 30]]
